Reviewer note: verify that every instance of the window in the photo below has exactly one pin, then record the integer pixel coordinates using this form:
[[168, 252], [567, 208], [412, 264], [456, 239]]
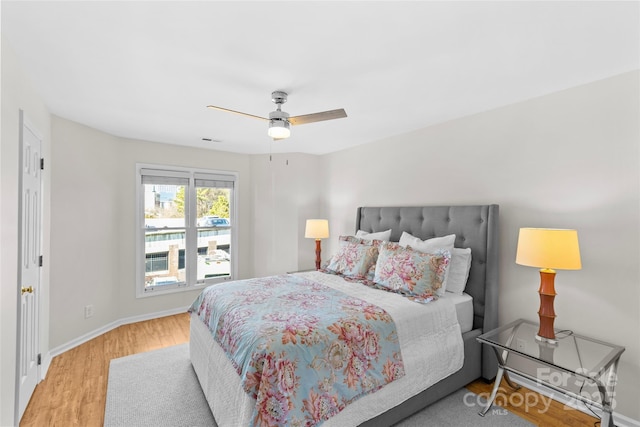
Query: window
[[185, 223]]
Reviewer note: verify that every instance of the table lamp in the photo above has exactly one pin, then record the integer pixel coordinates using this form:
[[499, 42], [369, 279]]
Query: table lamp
[[548, 249], [317, 229]]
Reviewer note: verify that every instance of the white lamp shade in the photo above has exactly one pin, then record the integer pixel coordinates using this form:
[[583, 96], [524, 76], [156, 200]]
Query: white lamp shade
[[317, 229], [548, 248]]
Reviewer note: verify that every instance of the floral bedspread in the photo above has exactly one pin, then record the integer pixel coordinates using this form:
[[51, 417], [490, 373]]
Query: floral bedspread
[[303, 350]]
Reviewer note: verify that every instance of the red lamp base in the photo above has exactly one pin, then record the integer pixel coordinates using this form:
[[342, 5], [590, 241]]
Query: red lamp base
[[546, 313], [318, 260]]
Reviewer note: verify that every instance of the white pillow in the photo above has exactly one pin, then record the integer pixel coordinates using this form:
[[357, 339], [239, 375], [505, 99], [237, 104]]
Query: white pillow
[[380, 235], [458, 274], [431, 246]]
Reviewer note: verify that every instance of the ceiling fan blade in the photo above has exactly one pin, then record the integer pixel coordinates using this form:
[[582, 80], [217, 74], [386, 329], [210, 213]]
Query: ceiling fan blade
[[318, 117], [213, 107]]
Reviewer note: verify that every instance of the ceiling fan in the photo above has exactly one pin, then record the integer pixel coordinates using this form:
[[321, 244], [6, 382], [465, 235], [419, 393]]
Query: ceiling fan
[[279, 121]]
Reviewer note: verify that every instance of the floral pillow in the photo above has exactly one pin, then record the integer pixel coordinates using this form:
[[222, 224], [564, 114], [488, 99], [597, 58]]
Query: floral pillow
[[355, 257], [431, 246], [410, 272]]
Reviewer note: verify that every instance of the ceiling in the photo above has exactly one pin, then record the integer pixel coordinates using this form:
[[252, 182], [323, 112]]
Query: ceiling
[[146, 70]]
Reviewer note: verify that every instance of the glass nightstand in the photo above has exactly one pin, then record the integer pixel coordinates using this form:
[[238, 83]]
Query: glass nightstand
[[579, 367]]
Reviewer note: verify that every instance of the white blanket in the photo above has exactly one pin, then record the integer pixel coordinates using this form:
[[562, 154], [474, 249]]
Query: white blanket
[[430, 340]]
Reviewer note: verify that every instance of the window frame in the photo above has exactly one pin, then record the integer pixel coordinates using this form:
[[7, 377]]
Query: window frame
[[190, 228]]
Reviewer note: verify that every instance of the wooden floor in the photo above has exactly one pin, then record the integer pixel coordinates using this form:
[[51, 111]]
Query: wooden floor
[[75, 390]]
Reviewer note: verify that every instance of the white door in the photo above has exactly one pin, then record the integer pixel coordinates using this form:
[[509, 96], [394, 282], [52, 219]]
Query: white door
[[29, 256]]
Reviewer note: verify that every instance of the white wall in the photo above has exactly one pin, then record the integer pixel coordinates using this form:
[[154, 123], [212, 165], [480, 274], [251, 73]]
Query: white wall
[[567, 160], [93, 207], [286, 192], [93, 233], [17, 94]]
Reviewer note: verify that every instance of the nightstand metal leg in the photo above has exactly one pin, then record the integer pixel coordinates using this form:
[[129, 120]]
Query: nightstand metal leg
[[494, 392], [606, 420], [606, 392], [502, 360], [511, 383]]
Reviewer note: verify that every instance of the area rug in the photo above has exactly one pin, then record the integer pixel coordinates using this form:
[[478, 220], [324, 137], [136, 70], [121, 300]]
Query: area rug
[[160, 389]]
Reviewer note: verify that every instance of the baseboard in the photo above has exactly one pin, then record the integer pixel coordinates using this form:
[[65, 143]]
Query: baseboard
[[106, 328], [619, 420]]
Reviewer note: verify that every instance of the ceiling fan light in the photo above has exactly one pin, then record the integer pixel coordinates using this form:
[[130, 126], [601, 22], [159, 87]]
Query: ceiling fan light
[[279, 129]]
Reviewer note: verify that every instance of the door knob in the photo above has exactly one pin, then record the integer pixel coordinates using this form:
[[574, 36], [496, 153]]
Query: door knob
[[28, 290]]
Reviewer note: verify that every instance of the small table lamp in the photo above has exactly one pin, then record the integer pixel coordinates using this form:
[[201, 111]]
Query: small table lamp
[[317, 229], [548, 249]]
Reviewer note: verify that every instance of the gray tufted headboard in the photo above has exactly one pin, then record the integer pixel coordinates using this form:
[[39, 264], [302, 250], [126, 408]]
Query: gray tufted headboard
[[475, 227]]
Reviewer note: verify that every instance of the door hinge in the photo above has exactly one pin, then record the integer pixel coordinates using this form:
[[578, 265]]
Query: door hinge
[[42, 163], [40, 261], [39, 359]]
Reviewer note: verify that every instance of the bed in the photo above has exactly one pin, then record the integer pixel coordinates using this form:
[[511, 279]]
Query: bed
[[475, 227]]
